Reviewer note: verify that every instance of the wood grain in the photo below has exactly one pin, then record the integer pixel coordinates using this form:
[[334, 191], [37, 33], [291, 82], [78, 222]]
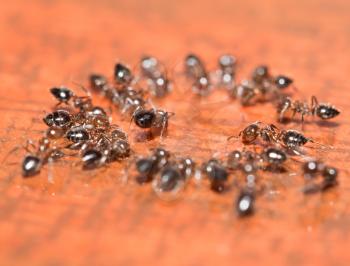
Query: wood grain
[[91, 218]]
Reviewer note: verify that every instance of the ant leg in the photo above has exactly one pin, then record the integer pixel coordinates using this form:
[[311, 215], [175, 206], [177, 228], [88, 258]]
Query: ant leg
[[235, 137], [314, 104], [50, 170], [85, 90], [320, 144], [314, 101], [282, 112], [29, 142], [10, 152], [26, 147], [164, 125], [133, 116], [302, 121]]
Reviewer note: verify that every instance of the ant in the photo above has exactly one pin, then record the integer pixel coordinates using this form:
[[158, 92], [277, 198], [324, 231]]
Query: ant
[[172, 178], [147, 167], [78, 134], [227, 71], [289, 138], [271, 159], [155, 73], [98, 148], [64, 95], [262, 77], [313, 168], [95, 157], [58, 119], [195, 71], [122, 75], [245, 202], [44, 153], [259, 86], [100, 134], [324, 111], [154, 119], [217, 175], [123, 95], [99, 83], [246, 92]]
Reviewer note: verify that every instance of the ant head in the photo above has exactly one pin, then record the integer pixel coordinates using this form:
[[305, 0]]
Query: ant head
[[144, 118], [227, 60], [192, 60], [62, 94], [148, 64], [122, 74], [49, 120], [325, 111], [283, 82], [260, 73], [250, 133], [97, 82]]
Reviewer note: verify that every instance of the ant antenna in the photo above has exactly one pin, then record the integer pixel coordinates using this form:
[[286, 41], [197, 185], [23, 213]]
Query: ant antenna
[[233, 137], [87, 92], [320, 144]]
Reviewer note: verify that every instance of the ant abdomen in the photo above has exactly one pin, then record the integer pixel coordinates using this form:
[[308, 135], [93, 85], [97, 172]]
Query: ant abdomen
[[31, 166], [77, 135], [292, 139], [244, 204], [59, 118], [62, 94], [326, 111]]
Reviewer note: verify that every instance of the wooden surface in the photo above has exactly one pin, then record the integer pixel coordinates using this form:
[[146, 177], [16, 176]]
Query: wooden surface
[[91, 218]]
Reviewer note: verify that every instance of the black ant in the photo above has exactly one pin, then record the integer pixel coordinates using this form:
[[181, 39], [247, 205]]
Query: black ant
[[289, 138], [196, 72], [122, 75], [44, 153], [123, 95], [172, 178], [96, 156], [246, 92], [154, 119], [324, 111], [148, 167], [78, 134], [245, 202], [261, 84], [217, 174], [271, 159], [65, 95], [100, 134], [156, 75], [313, 168], [59, 119], [262, 77], [100, 148], [227, 71], [127, 98], [98, 82]]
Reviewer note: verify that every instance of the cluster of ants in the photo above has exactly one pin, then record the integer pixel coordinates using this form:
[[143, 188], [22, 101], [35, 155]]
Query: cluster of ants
[[78, 128]]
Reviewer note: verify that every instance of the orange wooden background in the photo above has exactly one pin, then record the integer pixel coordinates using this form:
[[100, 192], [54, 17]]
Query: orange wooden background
[[91, 218]]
